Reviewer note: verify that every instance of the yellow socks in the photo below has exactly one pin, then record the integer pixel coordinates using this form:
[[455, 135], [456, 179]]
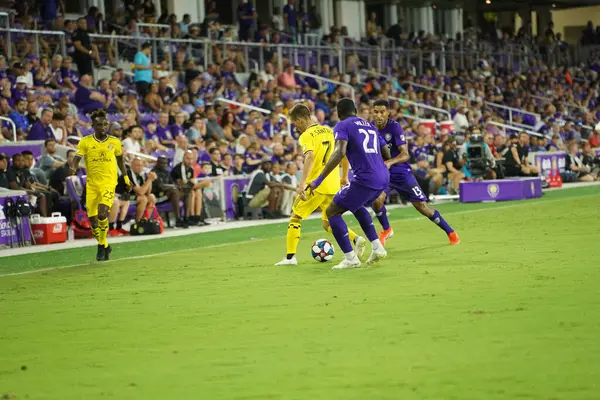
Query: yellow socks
[[351, 234], [293, 235], [102, 232]]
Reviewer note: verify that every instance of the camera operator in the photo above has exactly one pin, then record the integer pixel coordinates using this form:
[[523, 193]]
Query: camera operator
[[479, 159]]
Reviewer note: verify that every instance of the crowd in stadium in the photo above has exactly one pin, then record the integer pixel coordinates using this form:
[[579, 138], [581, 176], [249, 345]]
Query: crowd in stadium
[[175, 117]]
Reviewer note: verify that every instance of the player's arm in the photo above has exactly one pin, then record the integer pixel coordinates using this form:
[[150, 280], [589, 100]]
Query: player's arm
[[74, 165], [403, 156], [336, 158], [121, 165], [345, 171]]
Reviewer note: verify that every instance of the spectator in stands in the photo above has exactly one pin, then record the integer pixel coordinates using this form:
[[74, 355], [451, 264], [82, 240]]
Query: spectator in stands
[[20, 90], [216, 164], [58, 177], [40, 130], [183, 176], [590, 159], [262, 189], [290, 19], [164, 189], [246, 20], [197, 131], [3, 171], [19, 178], [594, 139], [37, 174], [575, 169], [86, 98], [19, 117], [69, 127], [516, 158], [65, 106], [238, 165], [163, 131], [142, 187], [132, 143], [182, 145], [213, 129], [57, 127], [49, 162], [84, 53], [143, 69], [452, 165]]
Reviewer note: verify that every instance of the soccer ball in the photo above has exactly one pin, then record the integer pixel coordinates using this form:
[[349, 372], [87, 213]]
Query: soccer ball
[[322, 250]]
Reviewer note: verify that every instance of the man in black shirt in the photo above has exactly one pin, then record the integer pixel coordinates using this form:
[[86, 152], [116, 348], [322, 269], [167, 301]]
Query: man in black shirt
[[3, 167], [215, 162], [19, 178], [453, 166], [83, 48], [58, 177], [164, 188], [516, 158], [238, 165], [183, 176]]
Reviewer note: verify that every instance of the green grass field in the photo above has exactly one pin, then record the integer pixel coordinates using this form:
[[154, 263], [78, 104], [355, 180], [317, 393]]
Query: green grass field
[[513, 312]]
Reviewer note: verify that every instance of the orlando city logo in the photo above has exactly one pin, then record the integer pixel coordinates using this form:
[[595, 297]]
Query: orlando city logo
[[388, 137], [493, 190]]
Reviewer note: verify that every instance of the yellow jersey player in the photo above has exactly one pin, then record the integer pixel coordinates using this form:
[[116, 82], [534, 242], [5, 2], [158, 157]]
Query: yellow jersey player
[[102, 154], [317, 144]]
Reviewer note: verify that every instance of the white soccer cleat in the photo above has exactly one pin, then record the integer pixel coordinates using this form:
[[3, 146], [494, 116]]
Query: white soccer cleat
[[377, 255], [347, 264], [360, 245], [285, 261]]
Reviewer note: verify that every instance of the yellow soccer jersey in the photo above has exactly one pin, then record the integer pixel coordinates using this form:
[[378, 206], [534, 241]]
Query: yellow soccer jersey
[[100, 159], [321, 141]]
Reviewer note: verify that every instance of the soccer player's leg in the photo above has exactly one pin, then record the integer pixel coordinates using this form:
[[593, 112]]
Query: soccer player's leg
[[301, 209], [381, 214], [348, 198], [105, 202], [359, 241], [411, 191], [92, 201]]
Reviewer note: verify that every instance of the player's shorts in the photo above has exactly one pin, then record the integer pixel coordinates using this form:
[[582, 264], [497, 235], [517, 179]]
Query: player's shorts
[[407, 186], [304, 208], [354, 195], [96, 195]]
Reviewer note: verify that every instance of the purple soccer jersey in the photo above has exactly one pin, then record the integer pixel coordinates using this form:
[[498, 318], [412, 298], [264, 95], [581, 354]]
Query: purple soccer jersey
[[371, 176], [401, 177], [362, 152]]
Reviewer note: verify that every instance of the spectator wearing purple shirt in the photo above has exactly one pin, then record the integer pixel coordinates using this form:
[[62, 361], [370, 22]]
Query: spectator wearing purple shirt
[[177, 128], [246, 19], [68, 77], [19, 91], [290, 19], [163, 130], [86, 99], [41, 129]]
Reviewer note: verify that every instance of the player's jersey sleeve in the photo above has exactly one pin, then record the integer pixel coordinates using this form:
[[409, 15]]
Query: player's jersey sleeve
[[307, 143], [340, 132], [118, 147], [81, 149], [399, 138]]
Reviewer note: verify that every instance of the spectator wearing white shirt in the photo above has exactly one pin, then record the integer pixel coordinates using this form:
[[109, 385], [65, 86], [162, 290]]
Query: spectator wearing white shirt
[[131, 144], [461, 122], [182, 145], [57, 127]]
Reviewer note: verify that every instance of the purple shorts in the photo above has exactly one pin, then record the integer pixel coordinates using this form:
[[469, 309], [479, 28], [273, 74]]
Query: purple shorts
[[354, 196], [408, 188]]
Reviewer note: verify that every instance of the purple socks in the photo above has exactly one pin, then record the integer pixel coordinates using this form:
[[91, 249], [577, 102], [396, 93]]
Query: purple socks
[[437, 219], [340, 232], [383, 218], [366, 223]]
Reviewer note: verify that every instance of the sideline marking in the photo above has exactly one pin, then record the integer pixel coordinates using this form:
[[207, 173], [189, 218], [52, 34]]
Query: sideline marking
[[33, 271]]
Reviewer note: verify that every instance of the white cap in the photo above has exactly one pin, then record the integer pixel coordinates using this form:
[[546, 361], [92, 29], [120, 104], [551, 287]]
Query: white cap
[[22, 79], [597, 127]]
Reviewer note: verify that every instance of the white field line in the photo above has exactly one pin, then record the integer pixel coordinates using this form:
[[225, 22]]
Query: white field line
[[225, 226]]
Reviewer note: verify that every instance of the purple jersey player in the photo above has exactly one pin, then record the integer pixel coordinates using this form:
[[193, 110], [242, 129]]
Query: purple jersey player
[[358, 141], [401, 177]]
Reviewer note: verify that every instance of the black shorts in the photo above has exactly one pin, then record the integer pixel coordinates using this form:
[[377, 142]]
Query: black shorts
[[513, 170]]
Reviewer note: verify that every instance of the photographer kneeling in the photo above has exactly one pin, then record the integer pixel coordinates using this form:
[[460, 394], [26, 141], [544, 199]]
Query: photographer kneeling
[[479, 159]]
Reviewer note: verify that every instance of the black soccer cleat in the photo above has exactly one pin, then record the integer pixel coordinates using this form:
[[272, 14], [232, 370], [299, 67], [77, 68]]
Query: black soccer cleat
[[107, 252], [100, 254]]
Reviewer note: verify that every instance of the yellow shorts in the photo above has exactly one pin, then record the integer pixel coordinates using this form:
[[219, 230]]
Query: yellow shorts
[[303, 208], [96, 195]]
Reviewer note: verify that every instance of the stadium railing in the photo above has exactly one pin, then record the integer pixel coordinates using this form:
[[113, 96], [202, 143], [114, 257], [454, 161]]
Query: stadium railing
[[515, 129], [423, 106], [13, 126], [260, 110], [322, 79], [56, 40]]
